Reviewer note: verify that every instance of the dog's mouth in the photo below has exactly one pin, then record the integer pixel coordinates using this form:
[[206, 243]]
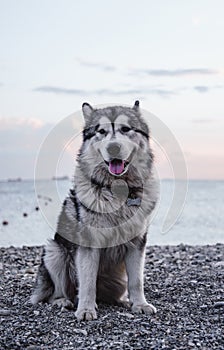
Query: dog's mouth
[[117, 166]]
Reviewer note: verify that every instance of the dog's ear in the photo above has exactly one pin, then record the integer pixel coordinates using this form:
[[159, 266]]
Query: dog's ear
[[87, 111], [136, 106]]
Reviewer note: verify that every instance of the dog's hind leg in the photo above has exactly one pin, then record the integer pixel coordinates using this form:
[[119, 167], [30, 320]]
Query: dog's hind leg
[[59, 265], [44, 287]]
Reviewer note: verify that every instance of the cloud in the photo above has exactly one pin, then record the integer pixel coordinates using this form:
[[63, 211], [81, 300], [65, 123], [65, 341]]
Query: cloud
[[174, 72], [59, 90], [20, 123], [202, 89], [139, 91], [180, 72], [97, 65], [160, 72]]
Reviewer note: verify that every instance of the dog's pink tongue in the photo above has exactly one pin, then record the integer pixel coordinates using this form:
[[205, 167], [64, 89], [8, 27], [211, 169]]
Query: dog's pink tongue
[[116, 167]]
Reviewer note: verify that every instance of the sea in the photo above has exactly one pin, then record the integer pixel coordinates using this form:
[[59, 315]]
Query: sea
[[29, 211]]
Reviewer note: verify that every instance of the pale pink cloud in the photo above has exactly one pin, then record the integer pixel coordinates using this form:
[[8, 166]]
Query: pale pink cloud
[[12, 123]]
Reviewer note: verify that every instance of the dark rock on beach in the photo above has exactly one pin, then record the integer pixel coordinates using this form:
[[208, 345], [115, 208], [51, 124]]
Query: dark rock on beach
[[186, 284], [5, 222]]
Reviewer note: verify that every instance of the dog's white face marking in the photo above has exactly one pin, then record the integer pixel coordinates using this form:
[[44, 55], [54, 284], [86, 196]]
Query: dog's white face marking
[[115, 146], [121, 120], [105, 124]]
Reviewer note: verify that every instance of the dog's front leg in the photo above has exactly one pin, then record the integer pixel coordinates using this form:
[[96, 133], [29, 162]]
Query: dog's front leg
[[134, 261], [87, 263]]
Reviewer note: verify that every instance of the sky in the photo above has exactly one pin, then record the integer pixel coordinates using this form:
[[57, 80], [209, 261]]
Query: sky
[[55, 55]]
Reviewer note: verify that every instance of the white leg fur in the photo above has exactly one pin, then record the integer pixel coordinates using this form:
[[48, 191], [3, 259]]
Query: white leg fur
[[135, 265], [87, 262], [55, 263]]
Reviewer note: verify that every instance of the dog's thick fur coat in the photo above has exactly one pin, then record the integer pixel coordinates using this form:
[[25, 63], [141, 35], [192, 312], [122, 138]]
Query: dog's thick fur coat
[[98, 250]]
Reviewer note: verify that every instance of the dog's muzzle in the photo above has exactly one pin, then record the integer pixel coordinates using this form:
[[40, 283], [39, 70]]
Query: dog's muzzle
[[116, 165], [113, 149]]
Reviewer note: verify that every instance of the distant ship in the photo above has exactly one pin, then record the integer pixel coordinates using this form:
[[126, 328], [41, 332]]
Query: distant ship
[[18, 179], [60, 178]]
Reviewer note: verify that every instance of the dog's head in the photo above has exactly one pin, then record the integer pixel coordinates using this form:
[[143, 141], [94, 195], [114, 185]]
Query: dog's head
[[114, 137]]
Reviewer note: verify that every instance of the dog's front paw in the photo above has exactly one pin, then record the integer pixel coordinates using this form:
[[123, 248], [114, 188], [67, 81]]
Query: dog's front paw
[[86, 314], [63, 303], [143, 308]]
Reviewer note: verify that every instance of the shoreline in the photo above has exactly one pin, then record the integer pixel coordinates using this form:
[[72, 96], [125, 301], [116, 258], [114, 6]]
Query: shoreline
[[185, 283]]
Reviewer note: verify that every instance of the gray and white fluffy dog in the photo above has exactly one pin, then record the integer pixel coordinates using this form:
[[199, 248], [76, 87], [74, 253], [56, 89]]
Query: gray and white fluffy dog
[[98, 251]]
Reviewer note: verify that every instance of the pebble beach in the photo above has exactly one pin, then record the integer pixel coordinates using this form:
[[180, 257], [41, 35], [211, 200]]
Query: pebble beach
[[185, 283]]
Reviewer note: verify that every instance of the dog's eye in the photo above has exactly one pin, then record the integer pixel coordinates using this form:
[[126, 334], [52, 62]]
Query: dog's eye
[[125, 129], [102, 131]]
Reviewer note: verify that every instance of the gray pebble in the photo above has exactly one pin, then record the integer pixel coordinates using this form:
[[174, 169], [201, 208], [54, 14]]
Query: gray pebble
[[219, 264], [30, 271], [5, 312], [126, 314], [80, 331], [218, 304]]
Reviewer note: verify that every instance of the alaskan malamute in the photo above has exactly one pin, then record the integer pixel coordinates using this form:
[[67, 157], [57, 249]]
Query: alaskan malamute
[[98, 251]]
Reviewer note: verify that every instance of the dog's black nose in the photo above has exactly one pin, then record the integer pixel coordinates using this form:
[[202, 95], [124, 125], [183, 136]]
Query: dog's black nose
[[113, 149]]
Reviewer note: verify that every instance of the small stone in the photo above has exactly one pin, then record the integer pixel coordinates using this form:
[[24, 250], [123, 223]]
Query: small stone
[[176, 255], [80, 331], [36, 312], [194, 281], [219, 264], [126, 314], [30, 271], [5, 222], [218, 304], [190, 343], [25, 215], [5, 312]]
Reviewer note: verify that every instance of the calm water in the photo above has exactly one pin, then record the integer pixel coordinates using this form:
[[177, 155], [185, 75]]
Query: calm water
[[201, 222]]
